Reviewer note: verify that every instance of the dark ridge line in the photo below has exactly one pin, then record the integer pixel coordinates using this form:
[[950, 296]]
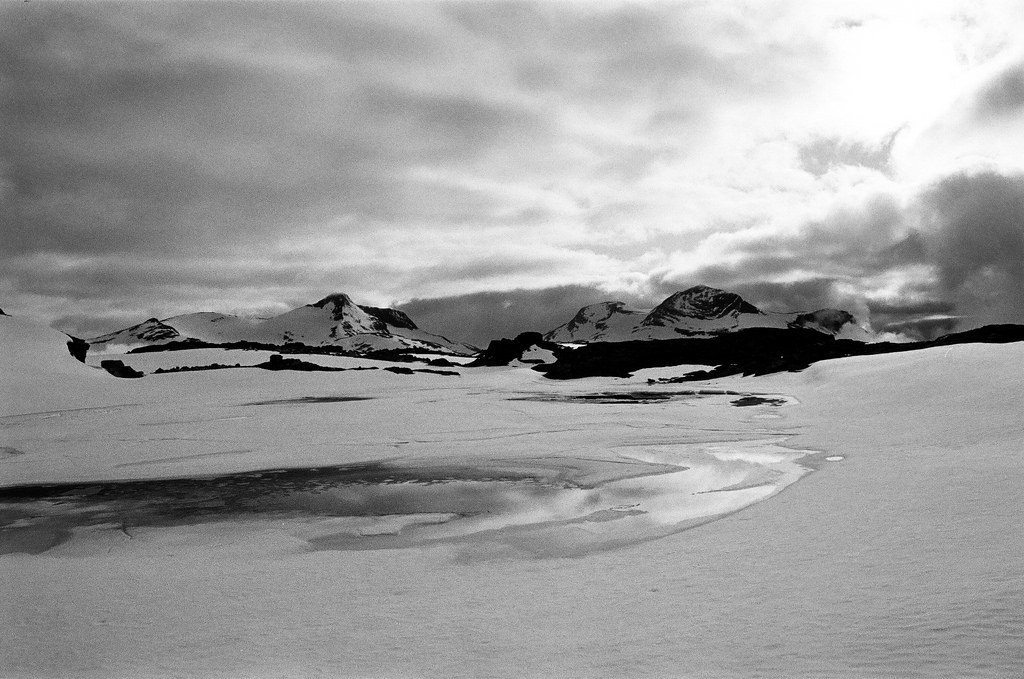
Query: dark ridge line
[[393, 355], [752, 351]]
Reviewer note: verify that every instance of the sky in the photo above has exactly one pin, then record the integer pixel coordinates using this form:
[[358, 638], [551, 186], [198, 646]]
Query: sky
[[490, 167]]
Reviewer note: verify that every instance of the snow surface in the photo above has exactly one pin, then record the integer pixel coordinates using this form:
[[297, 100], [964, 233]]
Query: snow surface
[[901, 559]]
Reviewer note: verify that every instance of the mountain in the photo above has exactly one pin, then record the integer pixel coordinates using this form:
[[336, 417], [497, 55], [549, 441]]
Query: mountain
[[700, 311], [334, 321], [605, 321]]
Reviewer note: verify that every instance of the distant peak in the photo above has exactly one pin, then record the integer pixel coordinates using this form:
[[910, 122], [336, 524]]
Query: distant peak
[[599, 310], [336, 299], [701, 289], [701, 302]]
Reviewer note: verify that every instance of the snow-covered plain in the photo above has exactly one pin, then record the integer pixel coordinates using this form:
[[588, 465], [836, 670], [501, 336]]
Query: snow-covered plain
[[516, 526]]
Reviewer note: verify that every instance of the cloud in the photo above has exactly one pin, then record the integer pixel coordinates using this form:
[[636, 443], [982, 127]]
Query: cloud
[[480, 317], [1003, 96], [821, 155], [166, 157], [949, 256], [973, 225], [925, 319]]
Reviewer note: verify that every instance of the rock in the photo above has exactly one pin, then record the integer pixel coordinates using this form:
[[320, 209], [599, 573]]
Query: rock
[[119, 369], [78, 348], [504, 351], [279, 362]]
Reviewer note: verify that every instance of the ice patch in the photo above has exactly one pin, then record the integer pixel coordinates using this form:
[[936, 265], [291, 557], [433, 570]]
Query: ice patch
[[550, 506]]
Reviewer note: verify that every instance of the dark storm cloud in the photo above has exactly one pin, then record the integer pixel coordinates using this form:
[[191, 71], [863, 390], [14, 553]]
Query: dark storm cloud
[[849, 243], [181, 127], [967, 228], [480, 317], [973, 225], [176, 130], [197, 155], [806, 295], [925, 319]]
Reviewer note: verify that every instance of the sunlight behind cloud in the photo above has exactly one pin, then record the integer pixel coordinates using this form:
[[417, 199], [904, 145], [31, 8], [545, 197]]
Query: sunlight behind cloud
[[401, 151]]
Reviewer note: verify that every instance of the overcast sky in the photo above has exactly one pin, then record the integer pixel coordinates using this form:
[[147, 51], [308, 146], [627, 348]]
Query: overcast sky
[[511, 161]]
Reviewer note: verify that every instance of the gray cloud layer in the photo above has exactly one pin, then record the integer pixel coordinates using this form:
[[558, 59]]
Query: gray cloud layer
[[966, 228], [164, 157], [481, 317]]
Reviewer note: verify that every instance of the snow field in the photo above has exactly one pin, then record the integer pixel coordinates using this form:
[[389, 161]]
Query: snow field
[[903, 559]]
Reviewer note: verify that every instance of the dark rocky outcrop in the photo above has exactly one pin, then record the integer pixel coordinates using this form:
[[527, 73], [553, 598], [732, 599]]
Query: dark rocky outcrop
[[119, 369], [988, 334], [829, 320], [402, 370], [279, 362], [180, 345], [196, 368], [504, 351], [393, 317], [78, 348], [750, 351], [753, 351], [393, 355]]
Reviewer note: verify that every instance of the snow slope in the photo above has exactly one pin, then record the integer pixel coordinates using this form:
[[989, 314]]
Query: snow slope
[[602, 322], [38, 373], [899, 556]]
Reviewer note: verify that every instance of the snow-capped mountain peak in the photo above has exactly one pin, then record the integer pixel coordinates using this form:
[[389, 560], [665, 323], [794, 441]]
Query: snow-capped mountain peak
[[339, 304], [150, 331], [601, 321], [351, 319], [334, 320], [700, 302], [366, 318], [700, 311]]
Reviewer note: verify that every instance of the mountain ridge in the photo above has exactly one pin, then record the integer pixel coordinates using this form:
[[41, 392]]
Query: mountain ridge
[[334, 321], [698, 311]]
